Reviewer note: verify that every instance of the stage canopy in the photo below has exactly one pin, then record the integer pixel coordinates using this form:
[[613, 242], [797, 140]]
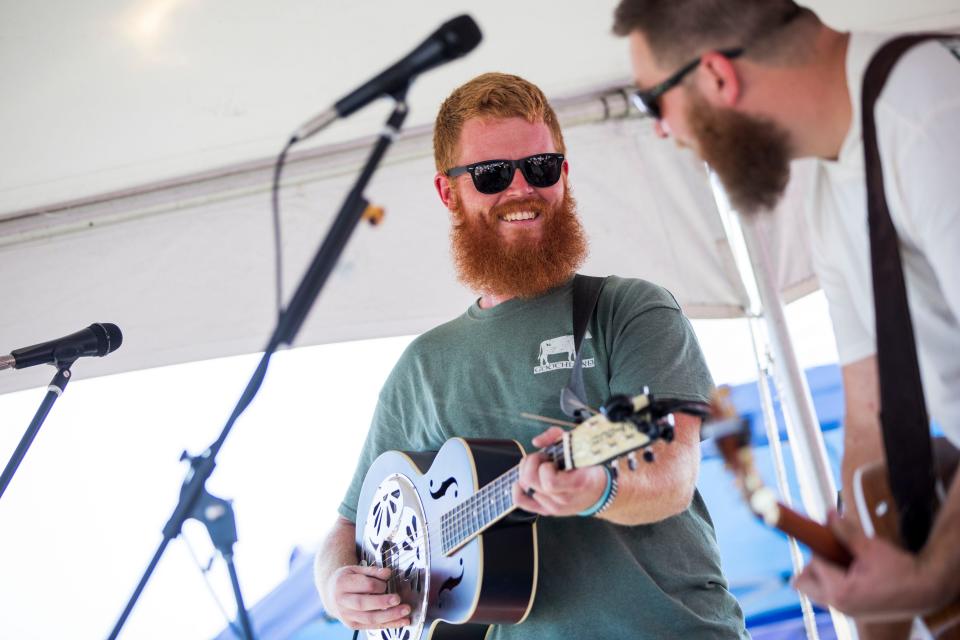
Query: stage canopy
[[139, 141]]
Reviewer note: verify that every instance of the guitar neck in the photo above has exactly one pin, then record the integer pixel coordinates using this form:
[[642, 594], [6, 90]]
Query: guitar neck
[[490, 504], [597, 440], [819, 538], [732, 435]]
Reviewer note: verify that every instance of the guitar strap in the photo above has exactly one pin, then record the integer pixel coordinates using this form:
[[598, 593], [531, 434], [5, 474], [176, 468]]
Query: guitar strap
[[903, 413], [586, 292]]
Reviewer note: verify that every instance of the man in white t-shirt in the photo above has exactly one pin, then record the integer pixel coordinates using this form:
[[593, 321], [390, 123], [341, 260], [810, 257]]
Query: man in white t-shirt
[[752, 85]]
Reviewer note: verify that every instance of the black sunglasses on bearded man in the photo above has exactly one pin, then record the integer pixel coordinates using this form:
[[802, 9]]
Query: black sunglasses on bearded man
[[493, 176]]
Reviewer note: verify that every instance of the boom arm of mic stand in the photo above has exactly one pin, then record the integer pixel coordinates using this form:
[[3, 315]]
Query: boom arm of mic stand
[[286, 330], [336, 240]]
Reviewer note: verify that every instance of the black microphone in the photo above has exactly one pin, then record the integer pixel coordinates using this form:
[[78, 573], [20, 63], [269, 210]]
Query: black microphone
[[98, 339], [453, 39]]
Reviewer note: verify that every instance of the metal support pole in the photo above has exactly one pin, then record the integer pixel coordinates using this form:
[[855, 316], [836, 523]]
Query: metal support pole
[[764, 361], [817, 487]]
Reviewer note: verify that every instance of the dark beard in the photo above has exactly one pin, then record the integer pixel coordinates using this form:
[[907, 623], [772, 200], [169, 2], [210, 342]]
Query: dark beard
[[524, 267], [751, 156]]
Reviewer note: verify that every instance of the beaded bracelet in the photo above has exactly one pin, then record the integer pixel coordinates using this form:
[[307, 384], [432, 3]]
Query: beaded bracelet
[[613, 491], [606, 498]]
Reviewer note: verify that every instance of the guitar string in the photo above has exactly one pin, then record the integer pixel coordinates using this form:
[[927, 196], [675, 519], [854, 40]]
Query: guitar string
[[459, 520], [468, 518], [554, 451], [465, 518], [431, 530], [438, 529]]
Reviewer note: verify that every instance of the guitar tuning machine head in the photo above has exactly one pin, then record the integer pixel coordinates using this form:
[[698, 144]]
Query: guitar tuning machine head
[[667, 434], [666, 428], [632, 461], [648, 455], [618, 408]]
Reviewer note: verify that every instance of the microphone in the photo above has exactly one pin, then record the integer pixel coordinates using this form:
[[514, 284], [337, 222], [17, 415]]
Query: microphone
[[453, 39], [98, 339]]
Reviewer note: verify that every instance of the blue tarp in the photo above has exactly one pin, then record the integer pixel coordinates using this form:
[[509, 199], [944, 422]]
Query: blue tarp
[[755, 559]]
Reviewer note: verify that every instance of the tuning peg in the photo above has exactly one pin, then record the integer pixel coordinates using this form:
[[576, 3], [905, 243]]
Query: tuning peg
[[632, 461], [647, 455], [618, 408], [667, 433]]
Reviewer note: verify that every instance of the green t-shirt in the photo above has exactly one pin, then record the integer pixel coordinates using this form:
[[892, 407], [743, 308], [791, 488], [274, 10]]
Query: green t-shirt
[[473, 377]]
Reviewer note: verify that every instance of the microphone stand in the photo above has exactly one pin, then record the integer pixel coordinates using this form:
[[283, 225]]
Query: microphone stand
[[54, 390], [193, 496]]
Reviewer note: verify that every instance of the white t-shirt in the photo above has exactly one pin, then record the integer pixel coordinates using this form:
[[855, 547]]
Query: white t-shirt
[[918, 132]]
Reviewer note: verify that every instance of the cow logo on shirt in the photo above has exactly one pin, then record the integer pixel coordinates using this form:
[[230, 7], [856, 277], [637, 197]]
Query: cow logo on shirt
[[560, 353]]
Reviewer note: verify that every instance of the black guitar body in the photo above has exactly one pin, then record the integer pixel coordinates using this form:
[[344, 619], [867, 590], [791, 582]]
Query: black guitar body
[[458, 593]]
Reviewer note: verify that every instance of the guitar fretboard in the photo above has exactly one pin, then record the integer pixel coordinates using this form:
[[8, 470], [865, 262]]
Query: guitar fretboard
[[492, 502]]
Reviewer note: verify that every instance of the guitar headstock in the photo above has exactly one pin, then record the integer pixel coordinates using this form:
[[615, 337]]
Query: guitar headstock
[[625, 426], [731, 434]]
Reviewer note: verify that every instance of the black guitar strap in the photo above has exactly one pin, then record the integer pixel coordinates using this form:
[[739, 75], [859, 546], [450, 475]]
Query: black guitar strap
[[903, 413], [586, 292]]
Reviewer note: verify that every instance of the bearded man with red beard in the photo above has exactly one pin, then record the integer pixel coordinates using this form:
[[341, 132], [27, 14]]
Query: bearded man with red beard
[[624, 552]]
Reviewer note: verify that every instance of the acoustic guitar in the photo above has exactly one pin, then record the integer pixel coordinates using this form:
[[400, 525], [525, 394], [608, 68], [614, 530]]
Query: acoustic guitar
[[463, 555], [874, 502]]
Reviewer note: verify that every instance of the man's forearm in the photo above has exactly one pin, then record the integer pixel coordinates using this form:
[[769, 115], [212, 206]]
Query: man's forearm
[[861, 446], [663, 488], [339, 549], [862, 440]]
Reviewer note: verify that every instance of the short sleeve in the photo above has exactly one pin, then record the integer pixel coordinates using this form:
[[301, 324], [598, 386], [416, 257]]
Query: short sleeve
[[854, 339], [652, 344]]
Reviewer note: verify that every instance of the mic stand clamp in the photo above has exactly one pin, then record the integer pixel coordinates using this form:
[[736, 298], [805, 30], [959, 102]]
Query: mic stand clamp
[[217, 516], [54, 391]]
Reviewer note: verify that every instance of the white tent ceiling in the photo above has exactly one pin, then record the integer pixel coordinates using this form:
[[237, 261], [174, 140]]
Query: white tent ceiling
[[138, 142]]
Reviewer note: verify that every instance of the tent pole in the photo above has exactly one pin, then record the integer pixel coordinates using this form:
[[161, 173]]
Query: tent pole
[[745, 234], [761, 351], [817, 487]]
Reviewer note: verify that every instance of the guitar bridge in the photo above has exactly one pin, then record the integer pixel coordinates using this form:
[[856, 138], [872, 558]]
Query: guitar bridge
[[395, 537]]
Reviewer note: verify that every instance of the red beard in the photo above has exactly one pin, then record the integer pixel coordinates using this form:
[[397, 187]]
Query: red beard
[[524, 266]]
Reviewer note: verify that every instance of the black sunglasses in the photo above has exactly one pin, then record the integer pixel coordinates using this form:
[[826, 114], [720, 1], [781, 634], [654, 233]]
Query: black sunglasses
[[493, 176], [647, 100]]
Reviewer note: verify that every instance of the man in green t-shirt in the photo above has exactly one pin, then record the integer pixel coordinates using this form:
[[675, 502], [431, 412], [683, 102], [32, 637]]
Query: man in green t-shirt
[[644, 563]]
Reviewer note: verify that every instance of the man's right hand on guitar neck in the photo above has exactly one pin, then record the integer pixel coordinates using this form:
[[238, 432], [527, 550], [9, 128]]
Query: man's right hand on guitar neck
[[355, 595]]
